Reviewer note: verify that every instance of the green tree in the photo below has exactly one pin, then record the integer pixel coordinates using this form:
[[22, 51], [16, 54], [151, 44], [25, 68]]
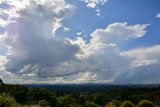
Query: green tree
[[66, 101], [127, 104], [7, 101], [110, 104], [99, 99], [81, 99], [37, 94], [117, 103], [91, 104], [145, 103], [43, 103]]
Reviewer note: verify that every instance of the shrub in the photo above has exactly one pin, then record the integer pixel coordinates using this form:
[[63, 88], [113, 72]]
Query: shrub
[[7, 101], [111, 104], [145, 103], [43, 103], [127, 104], [91, 104]]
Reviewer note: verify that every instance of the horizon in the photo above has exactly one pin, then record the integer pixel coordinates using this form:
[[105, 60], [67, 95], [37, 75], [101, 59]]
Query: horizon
[[80, 42]]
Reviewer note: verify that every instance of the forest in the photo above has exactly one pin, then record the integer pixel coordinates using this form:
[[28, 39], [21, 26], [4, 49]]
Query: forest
[[79, 95]]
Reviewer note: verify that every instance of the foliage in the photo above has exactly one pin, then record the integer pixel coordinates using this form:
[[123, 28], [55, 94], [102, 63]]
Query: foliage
[[43, 103], [81, 99], [66, 100], [37, 94], [117, 103], [145, 103], [91, 104], [98, 99], [127, 104], [111, 104], [6, 101], [79, 95]]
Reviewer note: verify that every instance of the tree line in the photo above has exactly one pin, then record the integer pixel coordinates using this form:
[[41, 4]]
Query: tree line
[[22, 96]]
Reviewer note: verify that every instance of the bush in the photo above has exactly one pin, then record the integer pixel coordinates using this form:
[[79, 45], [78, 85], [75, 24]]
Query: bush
[[43, 103], [111, 104], [127, 104], [7, 101], [145, 103], [91, 104]]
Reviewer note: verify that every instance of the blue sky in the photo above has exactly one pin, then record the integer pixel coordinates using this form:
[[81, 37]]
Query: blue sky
[[134, 12], [79, 41]]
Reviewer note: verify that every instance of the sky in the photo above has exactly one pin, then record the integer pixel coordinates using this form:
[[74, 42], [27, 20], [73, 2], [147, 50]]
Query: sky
[[80, 41]]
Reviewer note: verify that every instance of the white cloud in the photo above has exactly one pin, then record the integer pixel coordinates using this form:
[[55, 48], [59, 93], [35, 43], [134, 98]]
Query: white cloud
[[94, 4], [144, 56], [79, 33], [85, 77], [32, 46], [98, 12], [33, 51], [65, 29], [117, 33], [2, 62], [158, 15], [143, 67], [102, 53]]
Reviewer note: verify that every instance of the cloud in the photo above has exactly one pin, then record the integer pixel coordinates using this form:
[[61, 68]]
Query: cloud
[[103, 55], [144, 56], [158, 15], [33, 53], [32, 46], [94, 4], [140, 75], [143, 67], [117, 33], [65, 29], [79, 33]]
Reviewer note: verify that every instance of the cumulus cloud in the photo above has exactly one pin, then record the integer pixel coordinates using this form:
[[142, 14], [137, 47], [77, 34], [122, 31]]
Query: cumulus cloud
[[32, 48], [144, 56], [33, 52], [103, 54], [143, 67], [94, 4], [117, 33]]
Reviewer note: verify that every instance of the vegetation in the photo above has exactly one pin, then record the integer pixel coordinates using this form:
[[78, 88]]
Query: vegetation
[[6, 100], [43, 103], [79, 96], [127, 104], [145, 103]]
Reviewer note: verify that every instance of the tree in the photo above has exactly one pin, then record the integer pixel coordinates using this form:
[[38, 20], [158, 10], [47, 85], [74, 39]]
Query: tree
[[7, 101], [113, 103], [37, 94], [127, 104], [99, 99], [81, 99], [91, 104], [145, 103], [66, 100], [43, 103]]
